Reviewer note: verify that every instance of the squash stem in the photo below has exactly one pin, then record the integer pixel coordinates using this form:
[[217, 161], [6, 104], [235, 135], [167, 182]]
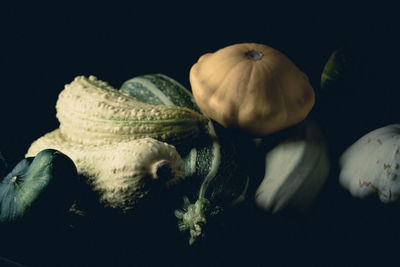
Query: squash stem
[[14, 179], [254, 55], [193, 218], [215, 163]]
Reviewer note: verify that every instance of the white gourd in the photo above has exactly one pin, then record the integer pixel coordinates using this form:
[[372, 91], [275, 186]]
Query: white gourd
[[371, 165], [121, 173], [92, 112], [295, 170]]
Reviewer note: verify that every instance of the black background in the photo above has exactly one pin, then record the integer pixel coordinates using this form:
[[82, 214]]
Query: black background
[[45, 45]]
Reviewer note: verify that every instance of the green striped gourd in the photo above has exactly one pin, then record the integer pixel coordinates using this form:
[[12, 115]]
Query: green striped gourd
[[212, 165], [92, 112]]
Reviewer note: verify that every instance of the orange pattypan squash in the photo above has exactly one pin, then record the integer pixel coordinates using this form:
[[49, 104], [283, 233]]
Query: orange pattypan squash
[[252, 87]]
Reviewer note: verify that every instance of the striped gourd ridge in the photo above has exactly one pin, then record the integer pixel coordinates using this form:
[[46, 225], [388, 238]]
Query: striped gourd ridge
[[92, 112], [213, 162]]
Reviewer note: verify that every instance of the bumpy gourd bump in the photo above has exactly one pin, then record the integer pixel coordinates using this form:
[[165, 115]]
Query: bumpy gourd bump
[[90, 111]]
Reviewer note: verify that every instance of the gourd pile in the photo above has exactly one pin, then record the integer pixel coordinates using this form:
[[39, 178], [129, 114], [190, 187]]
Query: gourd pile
[[152, 134]]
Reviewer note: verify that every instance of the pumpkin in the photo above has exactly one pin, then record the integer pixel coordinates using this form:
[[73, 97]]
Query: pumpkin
[[38, 187], [252, 87]]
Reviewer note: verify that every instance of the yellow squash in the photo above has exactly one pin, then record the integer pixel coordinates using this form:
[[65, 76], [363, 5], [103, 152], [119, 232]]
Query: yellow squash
[[252, 87]]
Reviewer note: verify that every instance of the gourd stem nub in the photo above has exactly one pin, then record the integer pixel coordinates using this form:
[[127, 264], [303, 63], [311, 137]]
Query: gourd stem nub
[[254, 55], [163, 170]]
